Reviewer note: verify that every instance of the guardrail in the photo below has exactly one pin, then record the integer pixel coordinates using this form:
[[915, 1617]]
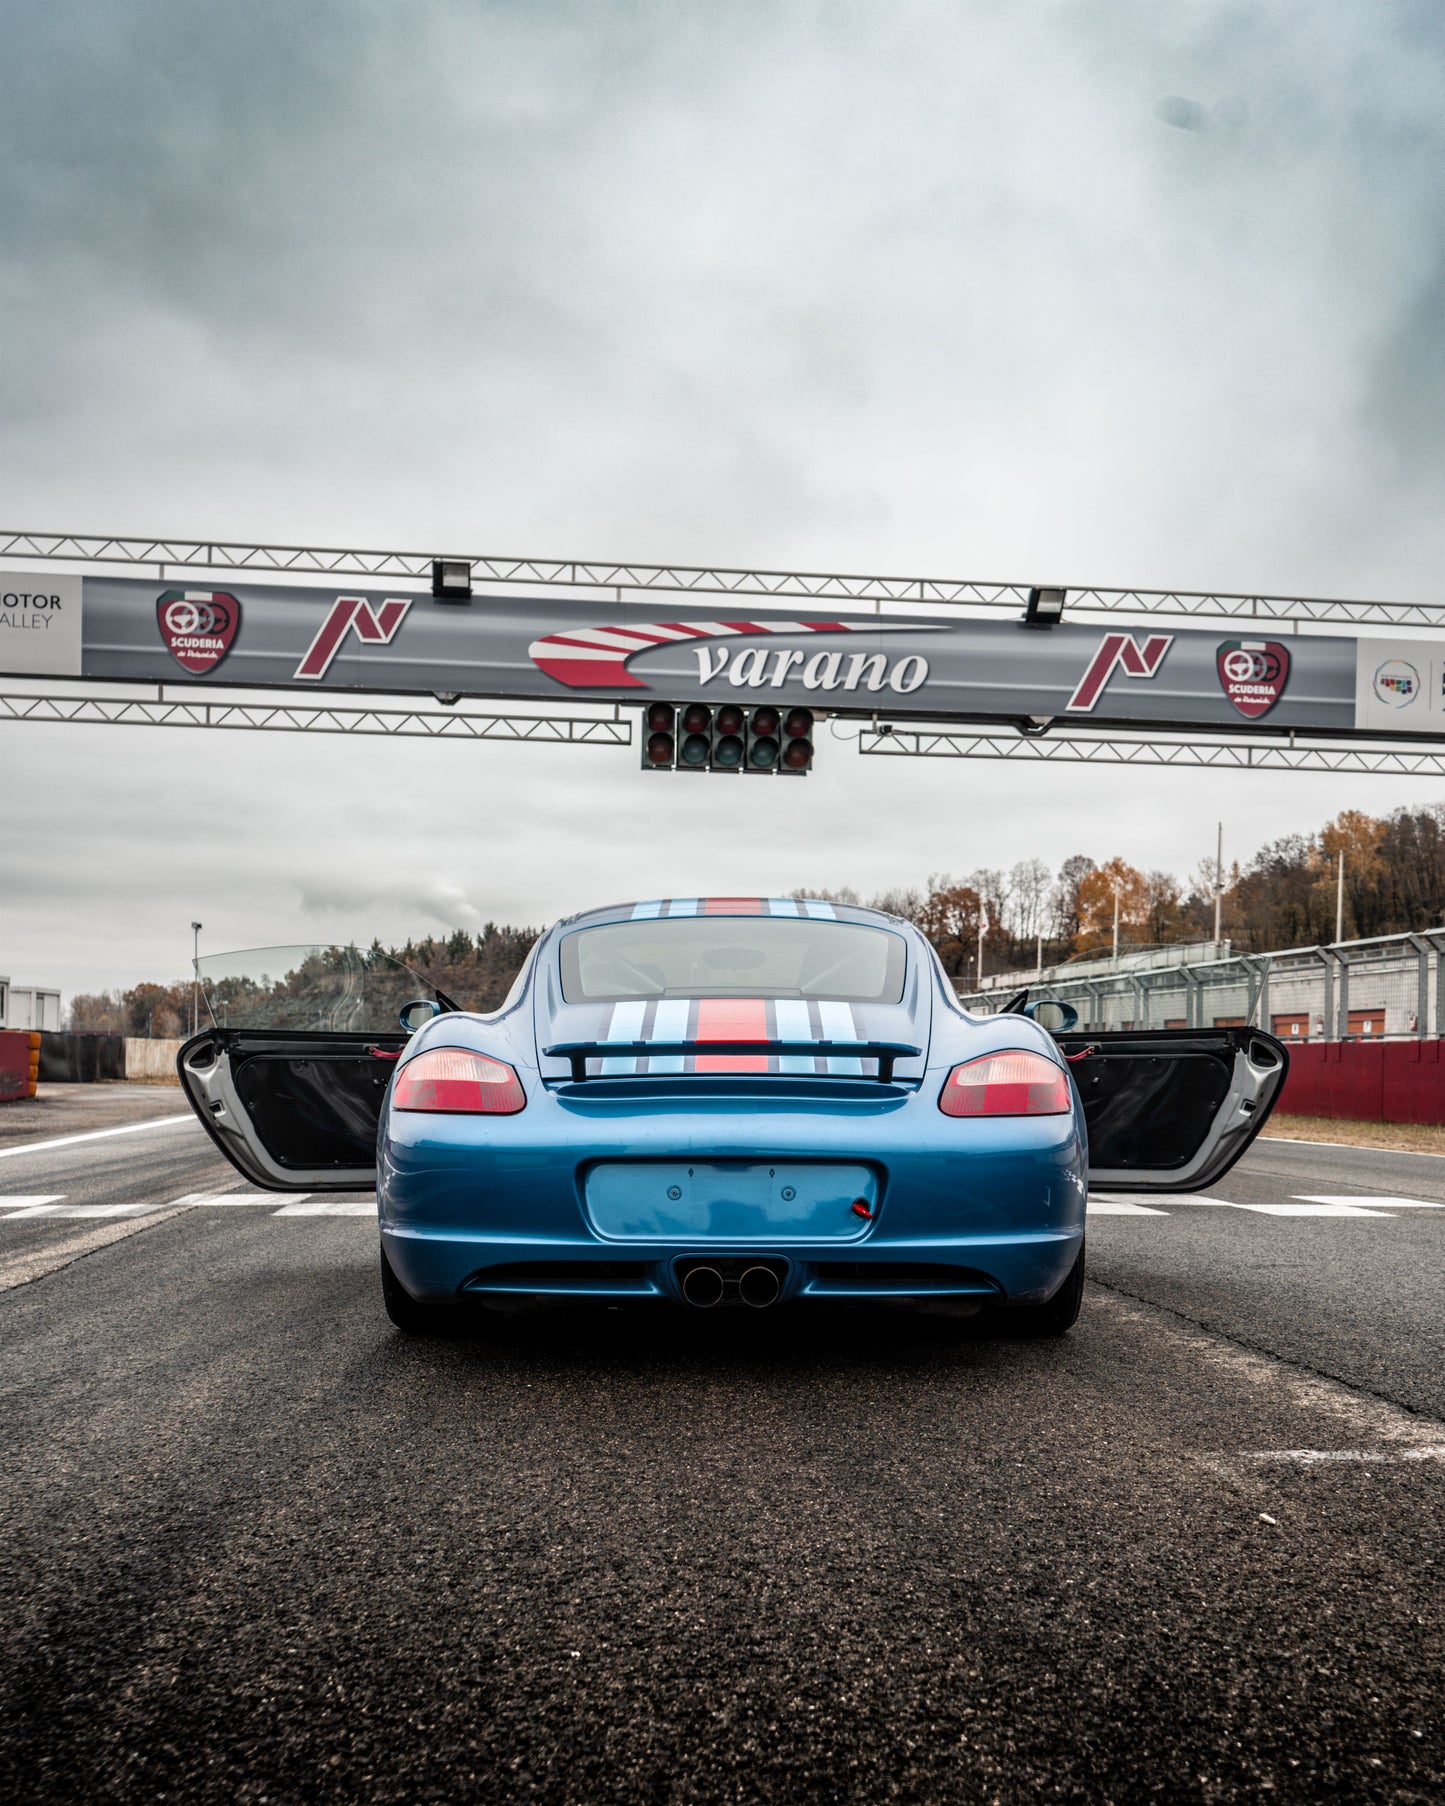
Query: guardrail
[[1389, 987]]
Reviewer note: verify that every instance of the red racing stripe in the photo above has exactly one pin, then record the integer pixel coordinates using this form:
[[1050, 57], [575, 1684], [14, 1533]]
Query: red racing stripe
[[731, 906], [732, 1019]]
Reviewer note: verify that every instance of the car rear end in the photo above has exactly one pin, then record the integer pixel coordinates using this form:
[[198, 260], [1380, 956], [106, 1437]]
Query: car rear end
[[733, 1100]]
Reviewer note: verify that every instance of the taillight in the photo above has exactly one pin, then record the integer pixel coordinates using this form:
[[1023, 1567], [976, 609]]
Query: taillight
[[1005, 1084], [457, 1080]]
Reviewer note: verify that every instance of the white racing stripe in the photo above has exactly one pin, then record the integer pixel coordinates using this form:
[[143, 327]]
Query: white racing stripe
[[70, 1141]]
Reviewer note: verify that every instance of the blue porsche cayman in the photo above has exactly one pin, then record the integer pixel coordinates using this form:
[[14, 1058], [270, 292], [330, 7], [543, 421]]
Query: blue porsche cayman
[[714, 1101]]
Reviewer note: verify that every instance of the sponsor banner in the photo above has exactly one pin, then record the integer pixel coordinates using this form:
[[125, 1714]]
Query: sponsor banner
[[1400, 686], [40, 625], [547, 648]]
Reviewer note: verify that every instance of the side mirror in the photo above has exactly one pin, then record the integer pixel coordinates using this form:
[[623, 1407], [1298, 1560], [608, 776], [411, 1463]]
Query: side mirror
[[417, 1014], [1058, 1018]]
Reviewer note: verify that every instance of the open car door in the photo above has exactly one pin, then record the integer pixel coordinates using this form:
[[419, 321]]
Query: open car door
[[1172, 1109], [289, 1081]]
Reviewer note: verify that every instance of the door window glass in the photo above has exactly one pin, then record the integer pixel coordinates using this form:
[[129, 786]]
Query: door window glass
[[319, 990]]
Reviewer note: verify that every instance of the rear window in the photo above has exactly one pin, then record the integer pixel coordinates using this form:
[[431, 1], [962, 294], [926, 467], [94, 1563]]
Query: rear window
[[733, 956]]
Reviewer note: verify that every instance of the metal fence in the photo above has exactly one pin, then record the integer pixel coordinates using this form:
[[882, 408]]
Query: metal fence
[[1391, 986]]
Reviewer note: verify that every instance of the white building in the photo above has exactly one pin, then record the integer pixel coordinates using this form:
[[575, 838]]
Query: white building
[[29, 1006]]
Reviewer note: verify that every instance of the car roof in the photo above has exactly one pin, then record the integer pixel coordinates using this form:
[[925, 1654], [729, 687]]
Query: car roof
[[816, 909]]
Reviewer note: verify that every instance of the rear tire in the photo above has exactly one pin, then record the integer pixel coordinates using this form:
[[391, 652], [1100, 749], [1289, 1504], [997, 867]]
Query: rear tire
[[411, 1315], [1059, 1315]]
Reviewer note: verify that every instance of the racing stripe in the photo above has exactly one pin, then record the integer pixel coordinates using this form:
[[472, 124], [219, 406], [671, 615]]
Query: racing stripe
[[837, 1023], [681, 906], [820, 912], [732, 906], [794, 1024], [625, 1024], [642, 912], [732, 1019], [669, 1023], [782, 906]]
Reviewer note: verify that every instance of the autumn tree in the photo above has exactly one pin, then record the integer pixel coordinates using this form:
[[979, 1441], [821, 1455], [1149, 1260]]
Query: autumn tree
[[1114, 890]]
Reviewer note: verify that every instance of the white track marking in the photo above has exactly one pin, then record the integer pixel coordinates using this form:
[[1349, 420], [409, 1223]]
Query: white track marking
[[199, 1200], [1338, 1414], [1359, 1147], [1117, 1207], [328, 1207], [80, 1210], [70, 1141], [1308, 1197], [19, 1206], [1165, 1201], [1351, 1209], [1310, 1207], [35, 1263], [1317, 1457]]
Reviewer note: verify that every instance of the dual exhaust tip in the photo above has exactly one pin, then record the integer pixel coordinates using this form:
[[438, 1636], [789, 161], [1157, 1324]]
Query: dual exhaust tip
[[757, 1286]]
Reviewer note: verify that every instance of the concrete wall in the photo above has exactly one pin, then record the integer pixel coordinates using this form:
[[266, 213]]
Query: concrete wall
[[154, 1062]]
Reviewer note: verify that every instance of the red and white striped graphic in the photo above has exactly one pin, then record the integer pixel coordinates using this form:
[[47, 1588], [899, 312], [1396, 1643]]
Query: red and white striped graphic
[[595, 658], [348, 614], [1124, 651], [731, 1019], [734, 906]]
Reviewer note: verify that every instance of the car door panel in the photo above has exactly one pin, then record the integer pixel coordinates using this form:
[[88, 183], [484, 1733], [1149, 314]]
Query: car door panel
[[292, 1111], [1172, 1109]]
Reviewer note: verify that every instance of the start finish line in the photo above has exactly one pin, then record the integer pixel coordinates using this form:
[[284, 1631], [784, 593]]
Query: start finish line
[[1027, 671]]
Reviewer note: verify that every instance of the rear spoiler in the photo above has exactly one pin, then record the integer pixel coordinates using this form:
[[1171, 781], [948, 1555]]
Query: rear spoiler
[[884, 1052]]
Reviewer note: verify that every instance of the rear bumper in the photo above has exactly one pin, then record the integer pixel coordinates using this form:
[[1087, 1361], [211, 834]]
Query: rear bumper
[[1015, 1269], [500, 1205]]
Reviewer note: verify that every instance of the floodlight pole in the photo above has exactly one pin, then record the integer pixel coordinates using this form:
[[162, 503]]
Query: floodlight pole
[[1218, 884], [1340, 901], [196, 977]]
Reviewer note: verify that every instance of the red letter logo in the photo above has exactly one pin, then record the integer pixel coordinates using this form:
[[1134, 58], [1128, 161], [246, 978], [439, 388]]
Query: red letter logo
[[348, 612], [1119, 649]]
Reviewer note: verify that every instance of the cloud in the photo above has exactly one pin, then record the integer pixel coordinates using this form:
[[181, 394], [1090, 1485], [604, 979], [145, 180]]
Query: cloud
[[927, 288], [433, 902]]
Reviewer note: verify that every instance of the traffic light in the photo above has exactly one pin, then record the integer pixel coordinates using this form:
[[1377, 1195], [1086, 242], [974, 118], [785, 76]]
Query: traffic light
[[796, 759], [659, 737], [754, 742]]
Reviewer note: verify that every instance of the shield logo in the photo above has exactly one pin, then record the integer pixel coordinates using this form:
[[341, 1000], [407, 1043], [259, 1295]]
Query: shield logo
[[197, 626], [1253, 674]]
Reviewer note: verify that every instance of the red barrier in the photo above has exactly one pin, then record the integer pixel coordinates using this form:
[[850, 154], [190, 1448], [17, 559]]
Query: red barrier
[[1367, 1081], [19, 1063]]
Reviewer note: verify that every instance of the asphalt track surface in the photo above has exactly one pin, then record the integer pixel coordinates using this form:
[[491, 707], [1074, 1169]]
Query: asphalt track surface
[[257, 1546]]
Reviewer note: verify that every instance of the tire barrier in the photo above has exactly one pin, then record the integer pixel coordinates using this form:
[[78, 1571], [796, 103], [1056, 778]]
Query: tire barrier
[[19, 1063]]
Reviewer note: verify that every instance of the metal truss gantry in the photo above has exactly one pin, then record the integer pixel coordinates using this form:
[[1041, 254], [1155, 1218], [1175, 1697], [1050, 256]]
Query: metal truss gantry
[[170, 556], [425, 724], [1127, 749], [616, 730]]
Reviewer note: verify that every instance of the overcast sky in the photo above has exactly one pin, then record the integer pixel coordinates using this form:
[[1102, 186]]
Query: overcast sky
[[1147, 293]]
